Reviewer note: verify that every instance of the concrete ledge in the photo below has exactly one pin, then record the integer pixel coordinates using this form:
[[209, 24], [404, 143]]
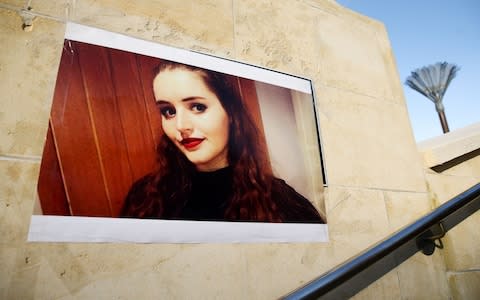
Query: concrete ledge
[[439, 150]]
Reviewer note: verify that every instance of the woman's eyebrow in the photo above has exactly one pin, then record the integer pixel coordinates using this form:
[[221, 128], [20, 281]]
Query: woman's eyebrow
[[160, 102], [192, 98]]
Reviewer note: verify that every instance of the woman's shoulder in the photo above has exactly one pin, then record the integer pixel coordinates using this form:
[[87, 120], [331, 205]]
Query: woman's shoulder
[[140, 188], [142, 183], [279, 186], [136, 196], [294, 207]]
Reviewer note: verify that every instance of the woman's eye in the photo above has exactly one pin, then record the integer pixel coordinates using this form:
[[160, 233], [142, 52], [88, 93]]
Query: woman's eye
[[198, 107], [167, 112]]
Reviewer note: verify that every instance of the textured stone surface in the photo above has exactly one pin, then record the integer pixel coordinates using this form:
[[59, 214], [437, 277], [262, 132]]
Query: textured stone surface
[[106, 271], [465, 285], [423, 277], [403, 208], [8, 256], [59, 9], [469, 169], [15, 4], [444, 187], [463, 244], [28, 68], [17, 188], [368, 142], [270, 274], [386, 287], [357, 218], [463, 241], [17, 191], [277, 35], [454, 144], [359, 48], [205, 26]]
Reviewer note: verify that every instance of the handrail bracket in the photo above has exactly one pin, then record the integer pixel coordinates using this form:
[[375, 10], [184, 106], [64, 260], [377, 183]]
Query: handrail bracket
[[426, 242]]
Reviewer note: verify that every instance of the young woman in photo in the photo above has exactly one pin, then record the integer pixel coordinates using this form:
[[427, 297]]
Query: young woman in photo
[[209, 163]]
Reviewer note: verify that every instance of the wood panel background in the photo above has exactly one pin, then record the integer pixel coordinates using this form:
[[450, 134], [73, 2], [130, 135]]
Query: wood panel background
[[103, 130]]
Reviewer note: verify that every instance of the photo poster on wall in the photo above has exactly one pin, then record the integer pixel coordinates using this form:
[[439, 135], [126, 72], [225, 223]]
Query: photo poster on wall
[[148, 143]]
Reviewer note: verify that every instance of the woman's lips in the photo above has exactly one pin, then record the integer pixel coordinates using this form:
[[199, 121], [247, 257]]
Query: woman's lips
[[191, 143]]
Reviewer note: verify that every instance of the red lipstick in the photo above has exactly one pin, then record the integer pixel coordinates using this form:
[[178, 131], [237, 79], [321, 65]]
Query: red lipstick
[[191, 143]]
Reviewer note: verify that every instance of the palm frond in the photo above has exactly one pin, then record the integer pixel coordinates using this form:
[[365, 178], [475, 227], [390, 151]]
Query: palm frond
[[432, 81]]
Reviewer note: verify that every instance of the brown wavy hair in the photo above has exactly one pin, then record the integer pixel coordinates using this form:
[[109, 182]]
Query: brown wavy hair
[[164, 193]]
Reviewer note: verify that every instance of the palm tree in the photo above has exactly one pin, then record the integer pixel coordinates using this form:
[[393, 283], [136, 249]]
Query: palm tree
[[432, 81]]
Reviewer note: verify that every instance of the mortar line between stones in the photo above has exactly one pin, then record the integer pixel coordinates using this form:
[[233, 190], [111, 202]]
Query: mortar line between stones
[[376, 189], [463, 271], [453, 175], [21, 158], [32, 12], [390, 100], [10, 7]]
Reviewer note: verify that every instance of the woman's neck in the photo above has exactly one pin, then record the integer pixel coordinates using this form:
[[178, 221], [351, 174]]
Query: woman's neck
[[219, 170], [211, 168]]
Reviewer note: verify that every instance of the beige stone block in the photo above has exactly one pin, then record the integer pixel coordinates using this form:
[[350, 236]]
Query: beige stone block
[[395, 82], [356, 56], [468, 168], [28, 274], [28, 68], [463, 241], [274, 270], [7, 265], [368, 142], [357, 218], [200, 271], [404, 208], [205, 26], [423, 277], [280, 35], [59, 9], [18, 181], [57, 270], [444, 187], [336, 8], [462, 245], [451, 145], [314, 39], [14, 4], [386, 287], [106, 271], [465, 285]]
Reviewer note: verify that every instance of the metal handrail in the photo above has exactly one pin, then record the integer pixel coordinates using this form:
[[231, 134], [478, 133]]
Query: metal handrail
[[355, 274]]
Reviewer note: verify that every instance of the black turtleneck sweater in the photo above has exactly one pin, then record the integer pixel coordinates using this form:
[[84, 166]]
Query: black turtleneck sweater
[[209, 198], [210, 194], [212, 191]]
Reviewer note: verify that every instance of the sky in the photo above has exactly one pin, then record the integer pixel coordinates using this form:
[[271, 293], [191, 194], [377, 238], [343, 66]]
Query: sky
[[424, 32]]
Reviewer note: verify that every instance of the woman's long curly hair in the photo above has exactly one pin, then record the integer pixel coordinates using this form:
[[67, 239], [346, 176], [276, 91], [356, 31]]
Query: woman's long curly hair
[[164, 193]]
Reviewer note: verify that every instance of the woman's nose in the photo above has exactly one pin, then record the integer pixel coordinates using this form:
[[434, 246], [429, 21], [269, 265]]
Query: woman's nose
[[183, 121]]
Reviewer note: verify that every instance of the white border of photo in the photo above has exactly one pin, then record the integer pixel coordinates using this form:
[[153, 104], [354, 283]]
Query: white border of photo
[[44, 228]]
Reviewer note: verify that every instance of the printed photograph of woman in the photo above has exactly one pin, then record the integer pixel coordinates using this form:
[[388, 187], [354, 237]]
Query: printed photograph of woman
[[209, 163], [148, 143], [141, 137]]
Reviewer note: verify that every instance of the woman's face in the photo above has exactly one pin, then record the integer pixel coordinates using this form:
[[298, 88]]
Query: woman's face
[[193, 118]]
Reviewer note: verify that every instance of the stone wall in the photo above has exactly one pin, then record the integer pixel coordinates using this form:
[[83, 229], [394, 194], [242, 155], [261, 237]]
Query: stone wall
[[376, 180], [459, 154]]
